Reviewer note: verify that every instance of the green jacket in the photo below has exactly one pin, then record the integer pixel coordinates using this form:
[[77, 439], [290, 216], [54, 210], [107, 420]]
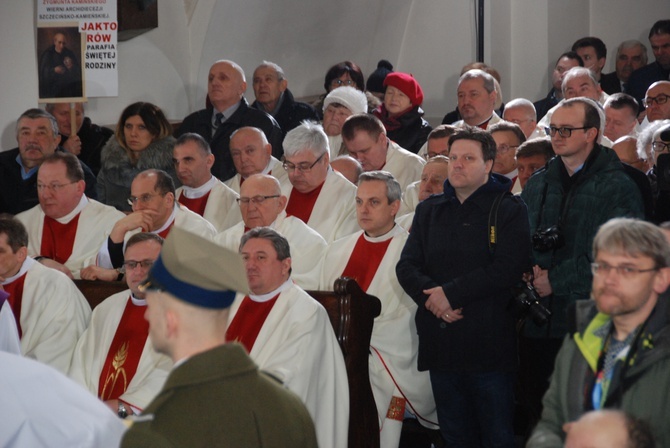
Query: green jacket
[[601, 192], [643, 391], [219, 399]]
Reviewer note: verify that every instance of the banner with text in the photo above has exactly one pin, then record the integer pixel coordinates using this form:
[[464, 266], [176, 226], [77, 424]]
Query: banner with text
[[70, 31]]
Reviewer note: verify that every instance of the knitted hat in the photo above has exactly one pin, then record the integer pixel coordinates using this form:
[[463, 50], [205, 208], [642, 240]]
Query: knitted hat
[[406, 83], [375, 82], [350, 97]]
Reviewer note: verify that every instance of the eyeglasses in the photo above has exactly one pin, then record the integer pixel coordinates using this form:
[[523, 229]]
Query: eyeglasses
[[340, 83], [626, 272], [502, 149], [660, 99], [257, 200], [132, 264], [54, 188], [302, 167], [144, 199], [658, 147], [563, 131]]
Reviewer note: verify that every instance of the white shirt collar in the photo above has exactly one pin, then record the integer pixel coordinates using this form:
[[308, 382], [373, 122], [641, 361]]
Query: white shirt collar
[[169, 220], [395, 231], [83, 202], [265, 297], [27, 264], [195, 193]]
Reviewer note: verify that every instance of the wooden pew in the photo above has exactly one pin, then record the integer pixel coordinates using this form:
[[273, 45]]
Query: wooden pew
[[352, 314]]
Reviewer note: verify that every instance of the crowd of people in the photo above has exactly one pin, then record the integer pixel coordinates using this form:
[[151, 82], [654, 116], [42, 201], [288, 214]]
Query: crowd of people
[[219, 226]]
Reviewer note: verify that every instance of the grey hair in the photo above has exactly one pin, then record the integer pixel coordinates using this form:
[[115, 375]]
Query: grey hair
[[38, 113], [626, 44], [633, 237], [393, 190], [278, 241], [522, 103], [489, 81], [646, 136], [309, 136], [280, 71], [576, 72]]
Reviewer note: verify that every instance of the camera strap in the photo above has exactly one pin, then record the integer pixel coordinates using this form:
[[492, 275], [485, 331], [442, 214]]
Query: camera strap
[[493, 221]]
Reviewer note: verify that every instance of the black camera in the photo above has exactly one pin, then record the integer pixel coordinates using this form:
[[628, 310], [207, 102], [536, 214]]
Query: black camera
[[548, 239], [528, 301]]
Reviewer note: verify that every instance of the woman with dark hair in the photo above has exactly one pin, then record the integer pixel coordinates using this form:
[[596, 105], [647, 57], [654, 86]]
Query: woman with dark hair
[[143, 140], [345, 73], [401, 111]]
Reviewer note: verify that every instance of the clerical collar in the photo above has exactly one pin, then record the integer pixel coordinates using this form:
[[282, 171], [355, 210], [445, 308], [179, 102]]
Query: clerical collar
[[395, 231], [265, 297], [512, 174], [27, 264], [484, 122], [195, 193], [168, 221], [136, 301], [268, 167], [83, 202]]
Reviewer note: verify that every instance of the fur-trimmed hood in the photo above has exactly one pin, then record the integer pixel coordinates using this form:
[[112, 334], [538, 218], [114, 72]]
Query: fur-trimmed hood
[[157, 155]]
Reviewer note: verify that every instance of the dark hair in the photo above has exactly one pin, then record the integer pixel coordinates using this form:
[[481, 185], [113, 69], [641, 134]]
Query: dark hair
[[73, 169], [17, 236], [38, 113], [278, 241], [640, 434], [597, 44], [340, 69], [620, 101], [536, 147], [508, 126], [442, 131], [591, 115], [200, 142], [362, 122], [571, 55], [152, 116], [142, 237], [164, 183], [660, 27], [478, 135]]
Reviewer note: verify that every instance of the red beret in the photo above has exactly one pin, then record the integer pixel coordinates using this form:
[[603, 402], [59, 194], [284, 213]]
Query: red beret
[[406, 83]]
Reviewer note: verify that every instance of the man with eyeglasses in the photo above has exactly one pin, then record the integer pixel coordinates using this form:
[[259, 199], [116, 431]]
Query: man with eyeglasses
[[66, 228], [508, 137], [568, 200], [263, 205], [658, 174], [642, 78], [437, 143], [37, 136], [49, 311], [201, 192], [321, 197], [252, 154], [155, 210], [114, 358], [616, 355], [435, 172], [656, 101]]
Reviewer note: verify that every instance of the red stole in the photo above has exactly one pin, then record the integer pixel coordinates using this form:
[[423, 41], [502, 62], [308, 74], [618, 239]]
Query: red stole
[[58, 239], [241, 180], [196, 205], [364, 261], [301, 205], [248, 321], [164, 233], [15, 291], [124, 353]]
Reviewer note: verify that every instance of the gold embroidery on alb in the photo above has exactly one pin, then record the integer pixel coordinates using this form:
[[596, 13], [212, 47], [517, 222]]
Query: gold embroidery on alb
[[117, 364]]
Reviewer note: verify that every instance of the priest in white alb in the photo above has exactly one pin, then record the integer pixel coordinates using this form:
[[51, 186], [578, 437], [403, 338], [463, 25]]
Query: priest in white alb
[[114, 358], [66, 228], [262, 205], [369, 257], [49, 311], [321, 197], [201, 192], [289, 335]]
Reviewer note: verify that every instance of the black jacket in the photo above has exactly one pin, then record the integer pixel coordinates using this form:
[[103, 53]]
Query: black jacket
[[542, 106], [448, 247], [411, 130], [610, 83], [93, 139], [291, 112], [643, 77], [18, 195], [200, 122]]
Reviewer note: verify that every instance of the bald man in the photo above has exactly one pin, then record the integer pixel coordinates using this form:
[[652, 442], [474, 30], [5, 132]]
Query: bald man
[[230, 111]]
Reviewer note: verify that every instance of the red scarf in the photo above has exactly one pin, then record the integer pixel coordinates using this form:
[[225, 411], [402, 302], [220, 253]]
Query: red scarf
[[15, 291], [301, 205], [365, 260], [196, 205], [58, 239], [248, 321]]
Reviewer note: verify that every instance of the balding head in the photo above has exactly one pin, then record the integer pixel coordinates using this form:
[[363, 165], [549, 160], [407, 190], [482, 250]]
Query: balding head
[[580, 81], [656, 101], [521, 112], [250, 151], [626, 148], [261, 200], [226, 84]]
